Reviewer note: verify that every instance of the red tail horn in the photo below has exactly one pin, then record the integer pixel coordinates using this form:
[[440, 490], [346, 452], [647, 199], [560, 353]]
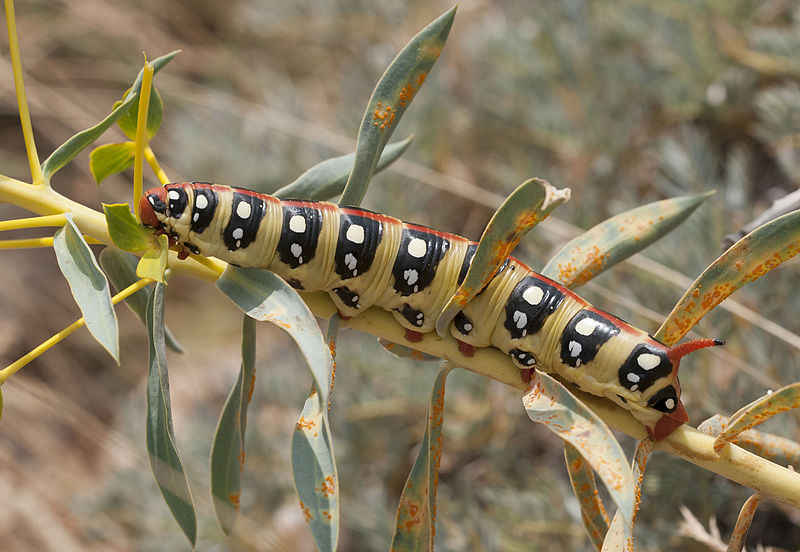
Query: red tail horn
[[678, 351]]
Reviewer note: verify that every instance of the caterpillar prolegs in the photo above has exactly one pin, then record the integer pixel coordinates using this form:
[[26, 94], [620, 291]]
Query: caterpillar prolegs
[[366, 259]]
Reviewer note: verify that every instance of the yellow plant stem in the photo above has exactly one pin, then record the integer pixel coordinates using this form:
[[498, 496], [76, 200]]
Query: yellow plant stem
[[37, 176], [27, 243], [12, 368], [150, 157], [141, 135], [34, 222]]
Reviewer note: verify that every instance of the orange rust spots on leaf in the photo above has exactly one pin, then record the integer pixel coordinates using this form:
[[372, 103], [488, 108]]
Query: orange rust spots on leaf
[[383, 116], [328, 487], [240, 458], [696, 293], [327, 514], [406, 95], [306, 512], [422, 76], [233, 499], [251, 388], [303, 424]]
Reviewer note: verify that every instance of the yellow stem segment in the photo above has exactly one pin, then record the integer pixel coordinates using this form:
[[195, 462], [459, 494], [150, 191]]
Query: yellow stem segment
[[141, 134], [37, 176], [34, 222], [47, 241], [150, 157], [14, 367]]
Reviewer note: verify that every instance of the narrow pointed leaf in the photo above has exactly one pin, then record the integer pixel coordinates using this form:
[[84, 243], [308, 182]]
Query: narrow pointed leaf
[[548, 402], [227, 452], [617, 238], [779, 450], [328, 178], [120, 267], [416, 513], [754, 255], [390, 99], [264, 296], [165, 460], [743, 522], [88, 285], [126, 232], [155, 113], [761, 410], [526, 207], [620, 532], [110, 159], [153, 263], [593, 513], [67, 151], [402, 351]]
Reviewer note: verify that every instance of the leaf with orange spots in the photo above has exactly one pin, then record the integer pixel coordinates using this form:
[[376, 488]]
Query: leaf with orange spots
[[593, 513], [527, 206], [743, 522], [403, 351], [758, 411], [754, 255], [264, 296], [617, 238], [620, 532], [227, 452], [327, 178], [549, 403], [780, 450], [390, 99], [416, 513]]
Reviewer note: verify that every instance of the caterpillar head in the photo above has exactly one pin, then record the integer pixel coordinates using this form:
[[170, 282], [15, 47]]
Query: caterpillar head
[[153, 208], [659, 408]]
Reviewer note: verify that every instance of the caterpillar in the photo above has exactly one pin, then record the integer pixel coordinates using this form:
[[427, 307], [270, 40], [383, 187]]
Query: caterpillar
[[363, 259]]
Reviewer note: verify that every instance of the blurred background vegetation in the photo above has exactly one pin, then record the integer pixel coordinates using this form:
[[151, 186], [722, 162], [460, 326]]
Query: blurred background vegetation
[[624, 102]]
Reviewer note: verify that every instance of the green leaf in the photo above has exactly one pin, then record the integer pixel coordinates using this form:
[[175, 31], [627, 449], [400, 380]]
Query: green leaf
[[165, 460], [416, 514], [126, 232], [227, 453], [120, 267], [782, 400], [548, 402], [327, 179], [111, 159], [620, 532], [88, 285], [390, 99], [617, 238], [265, 296], [67, 151], [155, 112], [527, 206], [754, 255], [153, 263], [593, 513]]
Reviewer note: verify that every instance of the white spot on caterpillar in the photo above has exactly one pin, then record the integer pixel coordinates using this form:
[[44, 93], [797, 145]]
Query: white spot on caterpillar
[[531, 361], [533, 295], [634, 387], [152, 200], [420, 316], [355, 233], [648, 361], [297, 224], [586, 326], [350, 262], [575, 348], [201, 202], [297, 250], [670, 404], [467, 327], [633, 378], [520, 319], [417, 248], [238, 243], [237, 233], [174, 194], [195, 217], [411, 276], [243, 210], [354, 299]]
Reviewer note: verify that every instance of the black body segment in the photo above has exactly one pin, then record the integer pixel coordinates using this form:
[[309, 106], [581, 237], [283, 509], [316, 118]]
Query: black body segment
[[247, 210], [359, 238], [302, 225], [529, 305], [204, 209], [584, 335], [644, 367], [419, 254]]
